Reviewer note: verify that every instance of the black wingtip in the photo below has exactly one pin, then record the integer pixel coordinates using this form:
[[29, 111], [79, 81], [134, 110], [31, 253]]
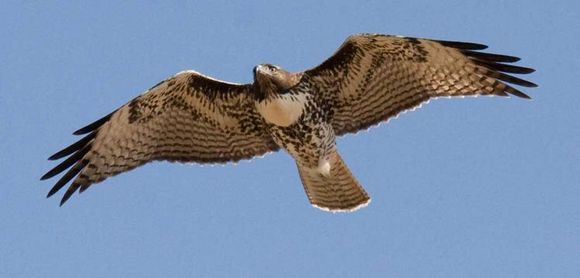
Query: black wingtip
[[74, 147], [82, 131], [77, 151], [491, 57], [513, 80], [53, 190], [68, 176], [504, 67], [517, 93], [496, 64], [45, 176], [58, 186], [67, 163], [69, 192], [83, 188], [463, 45], [532, 85], [94, 125], [56, 156], [63, 200]]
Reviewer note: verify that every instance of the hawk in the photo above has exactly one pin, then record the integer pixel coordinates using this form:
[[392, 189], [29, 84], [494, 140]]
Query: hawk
[[370, 79]]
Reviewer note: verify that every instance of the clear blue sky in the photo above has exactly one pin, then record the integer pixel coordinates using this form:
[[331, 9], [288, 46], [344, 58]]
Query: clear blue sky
[[486, 187]]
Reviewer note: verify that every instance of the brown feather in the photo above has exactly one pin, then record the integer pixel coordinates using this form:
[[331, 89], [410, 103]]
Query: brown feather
[[372, 78], [186, 118]]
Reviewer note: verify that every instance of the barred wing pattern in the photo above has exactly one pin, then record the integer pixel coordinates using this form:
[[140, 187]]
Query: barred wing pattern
[[186, 118], [372, 78]]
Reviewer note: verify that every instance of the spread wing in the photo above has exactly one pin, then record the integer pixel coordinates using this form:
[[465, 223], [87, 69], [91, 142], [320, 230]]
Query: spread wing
[[372, 78], [186, 118]]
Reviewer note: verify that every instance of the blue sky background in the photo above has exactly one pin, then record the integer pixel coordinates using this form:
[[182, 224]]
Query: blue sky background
[[486, 187]]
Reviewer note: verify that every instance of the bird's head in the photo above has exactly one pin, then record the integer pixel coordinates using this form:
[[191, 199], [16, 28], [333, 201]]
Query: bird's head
[[272, 79]]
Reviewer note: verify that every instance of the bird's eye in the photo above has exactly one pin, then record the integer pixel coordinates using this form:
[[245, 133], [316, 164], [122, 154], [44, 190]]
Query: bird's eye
[[272, 68]]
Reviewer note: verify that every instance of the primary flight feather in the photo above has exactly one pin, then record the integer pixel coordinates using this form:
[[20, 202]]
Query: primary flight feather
[[194, 118]]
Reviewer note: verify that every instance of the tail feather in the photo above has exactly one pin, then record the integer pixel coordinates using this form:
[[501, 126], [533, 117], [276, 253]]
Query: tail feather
[[337, 192]]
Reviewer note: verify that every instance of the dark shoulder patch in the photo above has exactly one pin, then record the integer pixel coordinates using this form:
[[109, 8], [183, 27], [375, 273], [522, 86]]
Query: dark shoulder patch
[[414, 50], [339, 60], [134, 110], [212, 88]]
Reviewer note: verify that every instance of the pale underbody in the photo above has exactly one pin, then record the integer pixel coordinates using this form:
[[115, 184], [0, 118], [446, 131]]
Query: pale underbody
[[285, 110]]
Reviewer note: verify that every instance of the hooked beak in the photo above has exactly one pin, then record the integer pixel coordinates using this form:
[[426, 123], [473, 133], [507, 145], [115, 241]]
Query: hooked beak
[[257, 69]]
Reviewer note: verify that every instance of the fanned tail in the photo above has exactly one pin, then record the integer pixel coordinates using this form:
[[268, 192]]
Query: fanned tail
[[337, 192]]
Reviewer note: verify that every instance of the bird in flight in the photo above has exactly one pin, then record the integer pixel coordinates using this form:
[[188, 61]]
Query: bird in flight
[[371, 78]]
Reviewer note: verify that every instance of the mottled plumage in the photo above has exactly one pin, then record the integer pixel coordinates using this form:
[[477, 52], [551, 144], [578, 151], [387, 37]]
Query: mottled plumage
[[371, 78]]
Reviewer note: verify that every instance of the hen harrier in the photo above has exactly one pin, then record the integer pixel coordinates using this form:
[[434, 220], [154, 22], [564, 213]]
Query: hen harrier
[[371, 78]]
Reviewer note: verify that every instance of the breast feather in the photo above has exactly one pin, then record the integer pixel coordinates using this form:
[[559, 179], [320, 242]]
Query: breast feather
[[284, 110]]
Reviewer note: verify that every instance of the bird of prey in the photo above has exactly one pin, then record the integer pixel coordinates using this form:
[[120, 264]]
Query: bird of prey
[[371, 78]]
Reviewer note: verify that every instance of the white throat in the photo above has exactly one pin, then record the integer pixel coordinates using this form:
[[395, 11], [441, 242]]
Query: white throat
[[283, 110]]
